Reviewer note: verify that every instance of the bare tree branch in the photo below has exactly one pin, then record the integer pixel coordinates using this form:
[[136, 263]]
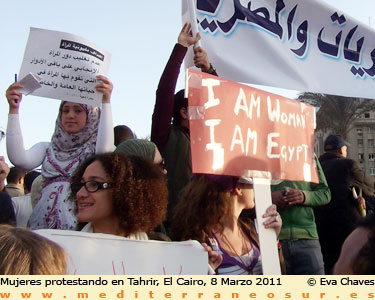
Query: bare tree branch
[[336, 113]]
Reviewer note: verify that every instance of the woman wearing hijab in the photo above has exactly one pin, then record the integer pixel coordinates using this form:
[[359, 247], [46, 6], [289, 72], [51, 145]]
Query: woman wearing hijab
[[80, 131]]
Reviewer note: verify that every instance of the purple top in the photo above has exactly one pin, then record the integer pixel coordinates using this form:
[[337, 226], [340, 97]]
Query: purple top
[[249, 263]]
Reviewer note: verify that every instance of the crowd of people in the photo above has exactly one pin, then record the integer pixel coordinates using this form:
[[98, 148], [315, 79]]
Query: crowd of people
[[100, 179]]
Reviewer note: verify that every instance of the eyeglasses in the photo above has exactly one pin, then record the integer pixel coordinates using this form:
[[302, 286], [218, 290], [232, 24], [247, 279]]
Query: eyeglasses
[[90, 186]]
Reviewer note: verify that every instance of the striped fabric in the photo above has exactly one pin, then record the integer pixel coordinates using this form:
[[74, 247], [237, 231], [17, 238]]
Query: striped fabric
[[233, 265]]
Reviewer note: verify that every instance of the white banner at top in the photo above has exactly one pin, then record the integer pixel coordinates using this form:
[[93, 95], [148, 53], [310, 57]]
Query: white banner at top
[[292, 44]]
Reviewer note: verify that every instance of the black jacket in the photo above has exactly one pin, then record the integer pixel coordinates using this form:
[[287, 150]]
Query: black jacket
[[7, 215], [336, 220]]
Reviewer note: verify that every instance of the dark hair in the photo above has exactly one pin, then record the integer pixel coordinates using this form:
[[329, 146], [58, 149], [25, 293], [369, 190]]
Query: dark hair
[[179, 102], [24, 252], [122, 133], [15, 174], [29, 179], [140, 192], [363, 263], [203, 206]]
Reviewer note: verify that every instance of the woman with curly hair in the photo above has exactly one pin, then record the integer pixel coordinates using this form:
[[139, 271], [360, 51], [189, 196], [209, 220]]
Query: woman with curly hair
[[24, 252], [209, 212], [120, 195]]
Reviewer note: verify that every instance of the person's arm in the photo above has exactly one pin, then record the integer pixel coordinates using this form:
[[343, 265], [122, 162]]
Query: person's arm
[[27, 159], [360, 180], [318, 193], [7, 215], [17, 154], [14, 97], [214, 259], [4, 171], [104, 142], [201, 61], [272, 219], [163, 110]]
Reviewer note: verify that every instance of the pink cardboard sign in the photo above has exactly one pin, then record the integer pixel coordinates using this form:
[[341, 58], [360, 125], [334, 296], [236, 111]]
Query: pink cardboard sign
[[236, 130]]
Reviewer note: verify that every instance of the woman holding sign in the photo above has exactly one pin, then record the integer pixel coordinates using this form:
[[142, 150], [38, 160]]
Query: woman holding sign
[[209, 212], [80, 131]]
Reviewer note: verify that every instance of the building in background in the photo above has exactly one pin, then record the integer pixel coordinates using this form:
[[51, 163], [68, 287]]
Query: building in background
[[361, 139]]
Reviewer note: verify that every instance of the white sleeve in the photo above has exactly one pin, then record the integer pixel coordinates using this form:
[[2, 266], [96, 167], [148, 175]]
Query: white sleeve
[[27, 159], [105, 139]]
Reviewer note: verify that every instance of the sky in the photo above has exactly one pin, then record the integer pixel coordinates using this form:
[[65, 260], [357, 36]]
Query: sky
[[140, 36]]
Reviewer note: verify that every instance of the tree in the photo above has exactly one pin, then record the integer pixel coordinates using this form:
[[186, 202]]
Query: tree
[[337, 113]]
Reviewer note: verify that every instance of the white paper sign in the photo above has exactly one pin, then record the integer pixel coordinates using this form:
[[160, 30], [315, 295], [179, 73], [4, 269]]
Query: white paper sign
[[267, 236], [292, 44], [68, 65], [30, 83], [105, 254]]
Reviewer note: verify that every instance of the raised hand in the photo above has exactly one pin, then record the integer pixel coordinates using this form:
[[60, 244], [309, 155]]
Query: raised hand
[[14, 97], [185, 38], [105, 87], [201, 59]]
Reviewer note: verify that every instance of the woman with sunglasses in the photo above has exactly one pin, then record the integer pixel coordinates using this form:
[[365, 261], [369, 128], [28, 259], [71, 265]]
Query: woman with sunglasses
[[120, 195]]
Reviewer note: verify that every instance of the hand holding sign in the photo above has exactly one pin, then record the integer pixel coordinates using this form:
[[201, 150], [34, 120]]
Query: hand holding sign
[[14, 97], [273, 219], [30, 83], [201, 59], [186, 38], [105, 87], [214, 259]]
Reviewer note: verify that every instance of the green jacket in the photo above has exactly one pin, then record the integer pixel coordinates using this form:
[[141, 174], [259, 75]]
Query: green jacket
[[299, 220]]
